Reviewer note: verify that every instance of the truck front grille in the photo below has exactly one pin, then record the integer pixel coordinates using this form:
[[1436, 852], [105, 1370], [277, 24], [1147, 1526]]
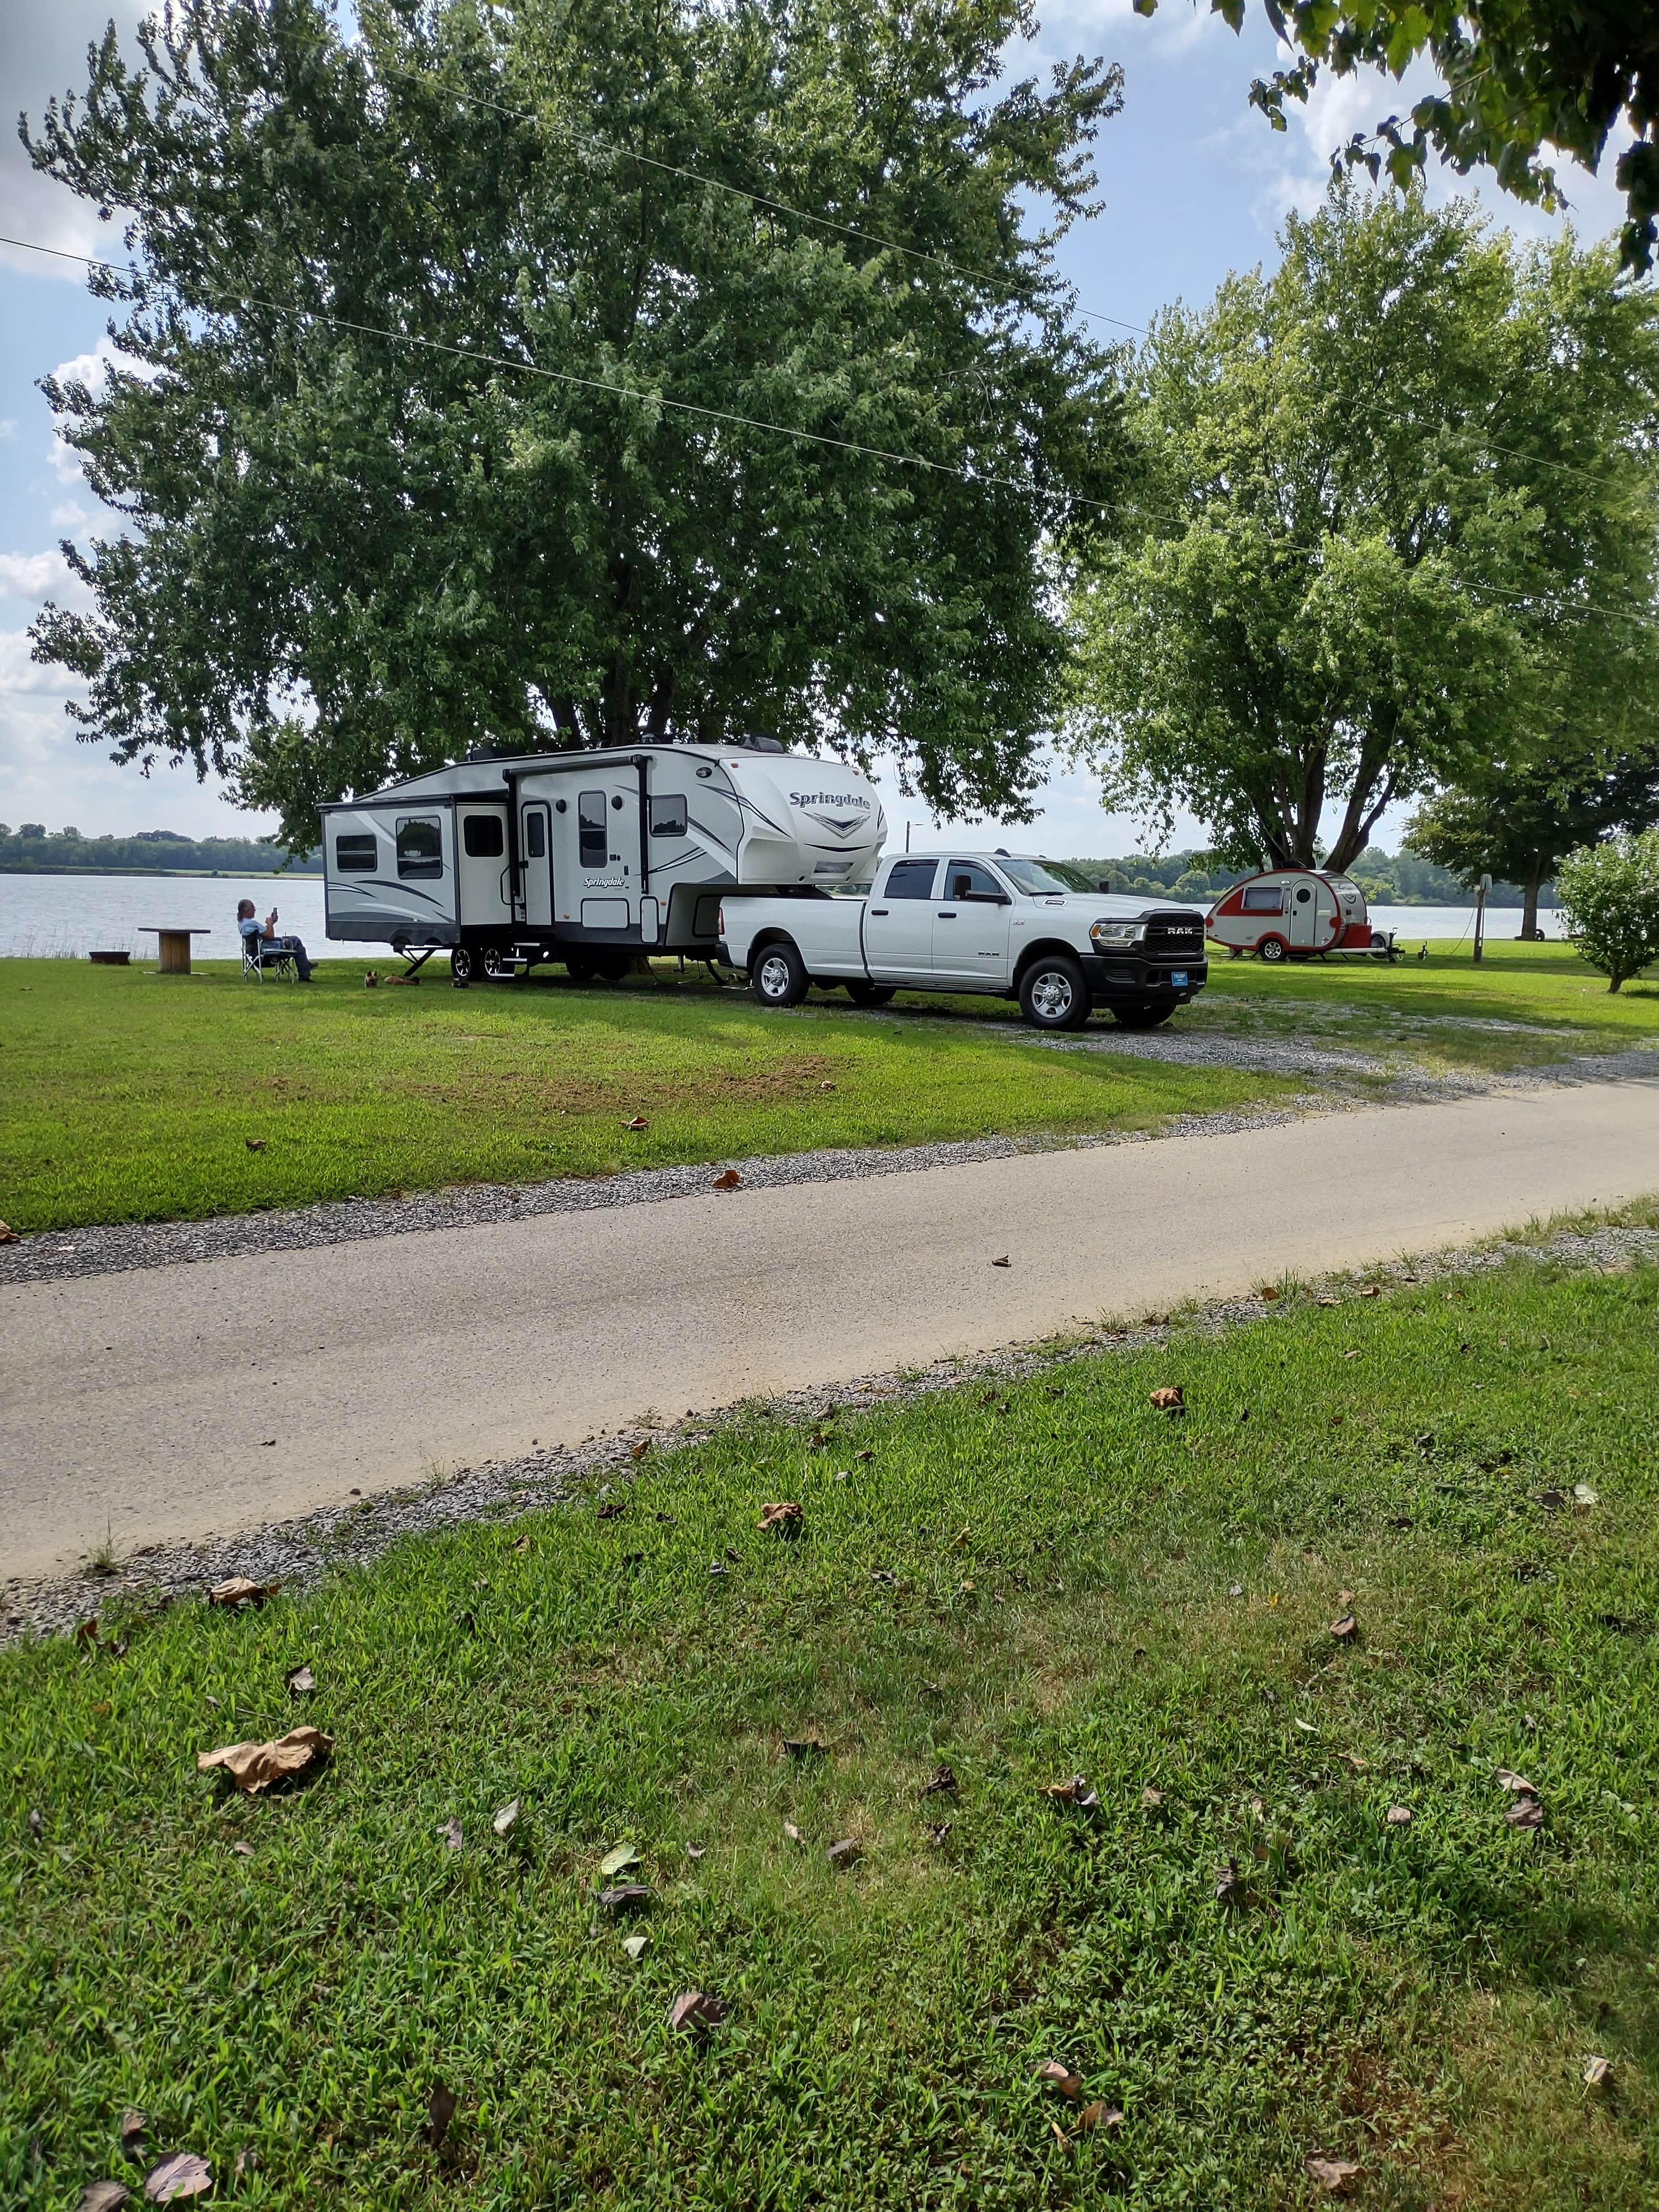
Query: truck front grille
[[1175, 937]]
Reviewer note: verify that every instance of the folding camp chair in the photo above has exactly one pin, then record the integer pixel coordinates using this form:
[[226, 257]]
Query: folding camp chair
[[259, 954]]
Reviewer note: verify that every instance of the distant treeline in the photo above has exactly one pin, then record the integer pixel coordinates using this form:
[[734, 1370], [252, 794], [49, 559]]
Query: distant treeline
[[148, 852], [1401, 878]]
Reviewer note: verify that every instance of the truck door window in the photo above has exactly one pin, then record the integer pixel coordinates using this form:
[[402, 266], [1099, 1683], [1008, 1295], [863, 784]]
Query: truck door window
[[593, 831], [420, 846], [966, 879], [668, 816], [911, 879], [482, 837]]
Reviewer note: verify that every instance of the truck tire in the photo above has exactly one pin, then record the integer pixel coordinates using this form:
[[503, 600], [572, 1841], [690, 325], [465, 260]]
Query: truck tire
[[777, 975], [1146, 1015], [1052, 995], [870, 994]]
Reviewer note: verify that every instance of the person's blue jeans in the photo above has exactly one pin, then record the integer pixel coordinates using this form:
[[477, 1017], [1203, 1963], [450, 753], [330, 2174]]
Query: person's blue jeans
[[301, 958]]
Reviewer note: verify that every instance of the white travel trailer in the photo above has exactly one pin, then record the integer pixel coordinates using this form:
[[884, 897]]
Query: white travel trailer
[[589, 857]]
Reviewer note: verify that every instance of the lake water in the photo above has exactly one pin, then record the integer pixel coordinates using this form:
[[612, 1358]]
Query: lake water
[[55, 916]]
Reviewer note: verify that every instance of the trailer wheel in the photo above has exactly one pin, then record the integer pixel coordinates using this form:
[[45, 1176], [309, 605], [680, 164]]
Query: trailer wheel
[[1272, 949], [1052, 995], [870, 994], [1144, 1015], [463, 965], [777, 974]]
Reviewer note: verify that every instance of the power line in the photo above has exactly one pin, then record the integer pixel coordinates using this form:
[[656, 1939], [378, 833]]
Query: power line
[[745, 421]]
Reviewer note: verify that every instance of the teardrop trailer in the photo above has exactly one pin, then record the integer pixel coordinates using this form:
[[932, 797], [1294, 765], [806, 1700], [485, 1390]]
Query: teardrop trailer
[[508, 859], [1298, 913]]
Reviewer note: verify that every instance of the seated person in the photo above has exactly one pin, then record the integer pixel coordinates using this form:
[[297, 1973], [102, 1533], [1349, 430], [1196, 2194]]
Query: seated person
[[249, 925]]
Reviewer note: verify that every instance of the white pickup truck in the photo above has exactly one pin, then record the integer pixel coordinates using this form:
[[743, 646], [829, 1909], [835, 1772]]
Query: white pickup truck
[[980, 921]]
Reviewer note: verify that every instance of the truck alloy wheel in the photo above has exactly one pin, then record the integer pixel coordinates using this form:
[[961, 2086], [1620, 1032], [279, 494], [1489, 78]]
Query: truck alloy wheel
[[779, 976], [1052, 995]]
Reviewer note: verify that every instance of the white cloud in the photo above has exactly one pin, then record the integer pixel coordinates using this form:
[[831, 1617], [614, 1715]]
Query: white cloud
[[45, 56], [31, 576], [22, 675], [71, 515], [8, 430]]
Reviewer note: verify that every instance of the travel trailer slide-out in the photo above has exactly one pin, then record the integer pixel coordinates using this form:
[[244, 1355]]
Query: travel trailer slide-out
[[589, 857]]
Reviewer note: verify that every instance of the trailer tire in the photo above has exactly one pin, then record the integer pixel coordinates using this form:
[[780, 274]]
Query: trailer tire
[[1146, 1015], [1052, 995], [463, 965], [1273, 950], [872, 995], [777, 974]]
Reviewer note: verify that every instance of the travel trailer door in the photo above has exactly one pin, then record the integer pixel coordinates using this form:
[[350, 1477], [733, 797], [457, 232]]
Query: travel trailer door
[[607, 835], [1303, 907], [535, 864]]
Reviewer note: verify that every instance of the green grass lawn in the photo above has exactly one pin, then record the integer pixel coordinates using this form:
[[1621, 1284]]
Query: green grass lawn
[[127, 1096], [1023, 1584]]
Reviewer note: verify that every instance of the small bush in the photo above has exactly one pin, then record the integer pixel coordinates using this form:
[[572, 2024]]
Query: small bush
[[1610, 893]]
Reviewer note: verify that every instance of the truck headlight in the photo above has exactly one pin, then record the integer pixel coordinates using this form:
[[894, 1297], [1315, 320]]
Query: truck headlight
[[1116, 935]]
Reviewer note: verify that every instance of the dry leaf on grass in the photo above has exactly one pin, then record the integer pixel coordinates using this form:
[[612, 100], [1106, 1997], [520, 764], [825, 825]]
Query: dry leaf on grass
[[1269, 1291], [783, 1518], [728, 1180], [941, 1782], [522, 1545], [1372, 1290], [504, 1819], [638, 1451], [845, 1852], [613, 1862], [1583, 1496], [1507, 1778], [451, 1832], [864, 1454], [87, 1632], [1525, 1813], [1073, 1791], [254, 1143], [793, 1832], [692, 2010], [636, 1947], [1170, 1400], [1098, 2115], [7, 1235], [440, 2111], [101, 2195], [627, 1898], [1151, 1799], [697, 1851], [183, 2175], [1330, 1302], [1333, 2174], [238, 1591], [36, 1823], [300, 1681], [1229, 1889], [1598, 2073], [255, 1766], [803, 1747], [938, 1832], [1004, 1261], [242, 1850], [613, 1511], [1060, 2076], [1398, 1816], [638, 1122], [133, 2124], [1344, 1626]]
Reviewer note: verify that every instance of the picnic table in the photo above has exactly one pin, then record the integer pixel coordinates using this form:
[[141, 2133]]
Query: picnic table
[[172, 946]]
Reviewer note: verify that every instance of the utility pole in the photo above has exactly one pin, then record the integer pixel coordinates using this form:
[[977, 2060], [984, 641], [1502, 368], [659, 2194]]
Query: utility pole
[[1480, 917]]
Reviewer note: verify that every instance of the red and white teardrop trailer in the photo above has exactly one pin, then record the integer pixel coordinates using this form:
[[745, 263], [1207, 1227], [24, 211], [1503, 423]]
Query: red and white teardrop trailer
[[1297, 913]]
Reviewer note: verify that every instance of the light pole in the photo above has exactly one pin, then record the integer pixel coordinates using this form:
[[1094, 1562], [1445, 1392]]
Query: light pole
[[1480, 917]]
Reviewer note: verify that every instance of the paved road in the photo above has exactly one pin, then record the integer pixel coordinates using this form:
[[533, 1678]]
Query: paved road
[[146, 1404]]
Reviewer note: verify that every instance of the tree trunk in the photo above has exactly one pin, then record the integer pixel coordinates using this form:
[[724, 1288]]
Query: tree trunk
[[1615, 982]]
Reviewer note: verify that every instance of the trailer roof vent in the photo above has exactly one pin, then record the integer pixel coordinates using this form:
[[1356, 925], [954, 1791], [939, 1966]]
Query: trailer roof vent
[[484, 755]]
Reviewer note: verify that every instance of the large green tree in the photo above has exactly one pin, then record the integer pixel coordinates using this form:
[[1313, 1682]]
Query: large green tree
[[1397, 504], [464, 355], [1515, 76]]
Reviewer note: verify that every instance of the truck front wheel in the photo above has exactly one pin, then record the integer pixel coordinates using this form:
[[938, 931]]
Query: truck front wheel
[[870, 994], [778, 977], [1052, 995]]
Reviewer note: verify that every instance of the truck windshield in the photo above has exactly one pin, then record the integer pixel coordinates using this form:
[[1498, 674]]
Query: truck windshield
[[1032, 877]]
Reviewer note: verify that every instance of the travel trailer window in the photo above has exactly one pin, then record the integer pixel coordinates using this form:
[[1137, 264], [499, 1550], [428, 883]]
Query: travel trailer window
[[356, 856], [420, 846], [1264, 898], [593, 838], [668, 816], [482, 837], [535, 834], [911, 879]]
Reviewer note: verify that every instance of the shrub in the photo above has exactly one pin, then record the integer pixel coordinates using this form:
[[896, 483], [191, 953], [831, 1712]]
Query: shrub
[[1610, 893]]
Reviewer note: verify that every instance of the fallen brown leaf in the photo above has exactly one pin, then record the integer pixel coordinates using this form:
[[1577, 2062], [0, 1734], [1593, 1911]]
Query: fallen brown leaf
[[1151, 1799], [1525, 1813], [1004, 1261], [1330, 1302], [1269, 1291], [255, 1766], [938, 1832], [1598, 2073], [1333, 2174], [1073, 1791], [941, 1782], [636, 1947], [1398, 1816], [803, 1747], [1353, 1758], [1170, 1400], [697, 1851], [451, 1832], [238, 1591], [1344, 1597], [611, 1512], [1344, 1626], [133, 2124], [728, 1180], [638, 1122], [1372, 1290], [1584, 1497], [782, 1519], [793, 1832], [300, 1681], [242, 1850], [100, 2195], [845, 1852], [504, 1819], [692, 2010], [1098, 2115], [626, 1898], [1507, 1778], [441, 2110], [183, 2175], [522, 1545], [864, 1454], [87, 1632], [1060, 2076], [1229, 1889], [254, 1143], [10, 1237]]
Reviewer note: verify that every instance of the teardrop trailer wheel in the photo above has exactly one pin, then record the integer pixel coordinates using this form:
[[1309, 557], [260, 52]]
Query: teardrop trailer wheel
[[778, 977], [1052, 995], [1271, 949]]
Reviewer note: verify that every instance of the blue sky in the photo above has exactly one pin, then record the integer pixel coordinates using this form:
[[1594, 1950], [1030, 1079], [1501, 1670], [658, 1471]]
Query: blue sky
[[1192, 181]]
